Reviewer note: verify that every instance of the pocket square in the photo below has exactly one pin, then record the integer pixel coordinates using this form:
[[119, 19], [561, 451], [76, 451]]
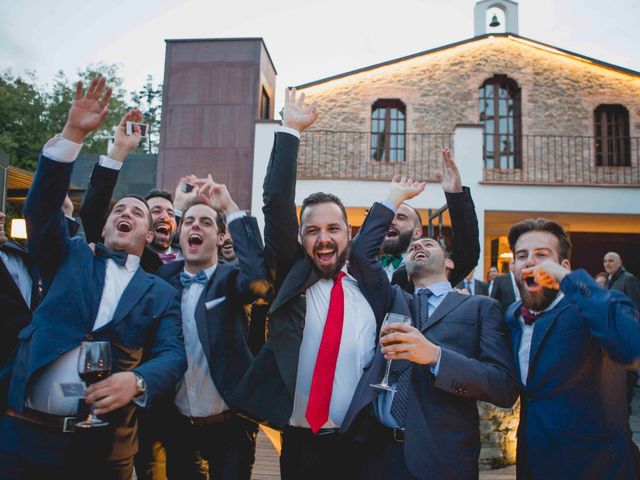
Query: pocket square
[[212, 303]]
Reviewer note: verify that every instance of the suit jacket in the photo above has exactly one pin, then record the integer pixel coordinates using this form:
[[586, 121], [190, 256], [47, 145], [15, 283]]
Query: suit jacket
[[503, 291], [146, 321], [465, 246], [573, 418], [95, 209], [442, 437], [220, 317], [628, 284], [479, 287], [267, 391]]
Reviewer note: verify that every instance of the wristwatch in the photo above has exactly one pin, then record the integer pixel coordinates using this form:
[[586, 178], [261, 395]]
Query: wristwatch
[[141, 385]]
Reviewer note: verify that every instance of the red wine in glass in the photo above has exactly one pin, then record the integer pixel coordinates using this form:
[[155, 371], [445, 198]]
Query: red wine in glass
[[94, 364]]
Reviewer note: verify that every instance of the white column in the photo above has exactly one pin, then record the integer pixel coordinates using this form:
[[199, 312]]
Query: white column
[[467, 144]]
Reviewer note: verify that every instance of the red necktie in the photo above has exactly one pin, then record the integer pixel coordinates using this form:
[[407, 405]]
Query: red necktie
[[322, 382]]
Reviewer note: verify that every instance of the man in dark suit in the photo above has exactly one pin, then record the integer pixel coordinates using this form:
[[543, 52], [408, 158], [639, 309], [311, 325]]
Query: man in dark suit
[[473, 286], [200, 424], [98, 295], [505, 289], [454, 354], [572, 340]]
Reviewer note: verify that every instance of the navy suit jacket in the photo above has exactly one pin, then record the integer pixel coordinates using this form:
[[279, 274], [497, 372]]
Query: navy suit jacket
[[573, 418], [222, 328], [146, 321], [442, 438]]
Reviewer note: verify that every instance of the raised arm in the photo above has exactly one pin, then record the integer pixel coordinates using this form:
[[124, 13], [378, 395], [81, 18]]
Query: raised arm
[[46, 223], [281, 221], [95, 205], [465, 243]]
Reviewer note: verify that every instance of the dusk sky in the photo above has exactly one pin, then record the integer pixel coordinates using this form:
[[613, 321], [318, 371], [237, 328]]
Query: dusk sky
[[307, 40]]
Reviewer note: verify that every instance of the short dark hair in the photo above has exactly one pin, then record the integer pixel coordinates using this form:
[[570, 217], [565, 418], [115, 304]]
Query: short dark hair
[[321, 197], [541, 225], [159, 193], [139, 198], [418, 216], [221, 218]]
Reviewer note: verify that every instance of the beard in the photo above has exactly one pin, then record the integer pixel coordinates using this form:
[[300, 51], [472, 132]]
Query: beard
[[397, 245], [331, 271], [537, 301]]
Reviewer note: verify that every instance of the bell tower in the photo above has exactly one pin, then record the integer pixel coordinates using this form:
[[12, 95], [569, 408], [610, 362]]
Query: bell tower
[[495, 16]]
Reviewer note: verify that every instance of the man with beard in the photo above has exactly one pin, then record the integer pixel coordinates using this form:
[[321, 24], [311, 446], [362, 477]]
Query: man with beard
[[227, 253], [322, 327], [572, 341], [453, 354], [404, 229], [93, 294]]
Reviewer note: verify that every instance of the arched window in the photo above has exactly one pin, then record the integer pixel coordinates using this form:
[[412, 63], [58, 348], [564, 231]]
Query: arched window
[[613, 147], [499, 98], [388, 120]]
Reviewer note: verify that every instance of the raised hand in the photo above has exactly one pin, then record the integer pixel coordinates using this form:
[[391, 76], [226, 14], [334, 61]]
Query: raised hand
[[403, 189], [297, 115], [217, 195], [450, 177], [124, 144], [67, 206], [88, 110], [182, 199]]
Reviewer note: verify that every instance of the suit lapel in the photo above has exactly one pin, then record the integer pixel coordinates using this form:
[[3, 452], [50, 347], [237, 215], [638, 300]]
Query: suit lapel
[[201, 314], [139, 284], [6, 281], [451, 301], [99, 272], [541, 329], [300, 278], [515, 330]]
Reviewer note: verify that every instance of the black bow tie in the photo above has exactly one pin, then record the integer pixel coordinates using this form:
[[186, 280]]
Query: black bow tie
[[120, 257]]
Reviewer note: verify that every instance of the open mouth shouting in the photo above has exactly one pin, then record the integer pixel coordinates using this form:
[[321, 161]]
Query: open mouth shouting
[[162, 230], [124, 226], [195, 240], [325, 254], [392, 233]]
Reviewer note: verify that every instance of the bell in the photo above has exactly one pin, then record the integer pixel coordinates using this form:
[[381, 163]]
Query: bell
[[494, 21]]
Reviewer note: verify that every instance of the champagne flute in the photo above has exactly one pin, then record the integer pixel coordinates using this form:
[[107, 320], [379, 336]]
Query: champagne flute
[[94, 364], [390, 318]]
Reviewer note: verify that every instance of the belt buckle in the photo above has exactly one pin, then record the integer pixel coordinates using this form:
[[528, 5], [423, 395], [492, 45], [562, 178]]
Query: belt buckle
[[398, 435], [69, 424]]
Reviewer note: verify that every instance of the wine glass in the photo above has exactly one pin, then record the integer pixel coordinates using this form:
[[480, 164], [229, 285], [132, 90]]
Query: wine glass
[[94, 364], [389, 319]]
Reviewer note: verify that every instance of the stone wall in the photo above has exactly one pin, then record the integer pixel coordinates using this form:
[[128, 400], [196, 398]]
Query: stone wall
[[498, 434], [440, 90]]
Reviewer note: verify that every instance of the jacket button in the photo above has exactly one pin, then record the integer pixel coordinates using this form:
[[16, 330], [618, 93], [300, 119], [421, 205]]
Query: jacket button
[[61, 351], [88, 337]]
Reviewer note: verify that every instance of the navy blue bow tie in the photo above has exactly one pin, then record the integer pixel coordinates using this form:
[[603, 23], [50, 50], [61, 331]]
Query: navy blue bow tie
[[120, 257], [186, 279]]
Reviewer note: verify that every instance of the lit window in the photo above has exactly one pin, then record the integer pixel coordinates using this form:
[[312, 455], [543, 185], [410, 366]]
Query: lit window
[[388, 120]]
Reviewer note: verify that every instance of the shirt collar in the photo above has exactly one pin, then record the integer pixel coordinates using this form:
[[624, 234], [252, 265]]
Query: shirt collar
[[208, 271], [438, 289], [132, 263]]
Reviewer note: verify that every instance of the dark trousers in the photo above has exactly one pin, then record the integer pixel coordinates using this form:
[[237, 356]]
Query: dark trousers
[[32, 452], [326, 456], [224, 450], [383, 457], [150, 461]]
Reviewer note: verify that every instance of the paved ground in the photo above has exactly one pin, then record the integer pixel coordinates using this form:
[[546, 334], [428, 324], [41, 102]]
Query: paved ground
[[266, 466]]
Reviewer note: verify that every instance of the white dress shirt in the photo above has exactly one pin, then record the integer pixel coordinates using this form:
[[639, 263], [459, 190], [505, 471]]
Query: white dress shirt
[[45, 394], [19, 272], [197, 395], [516, 290], [357, 346], [390, 269], [525, 341]]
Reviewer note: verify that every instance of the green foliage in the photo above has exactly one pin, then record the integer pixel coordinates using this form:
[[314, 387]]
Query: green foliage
[[31, 114]]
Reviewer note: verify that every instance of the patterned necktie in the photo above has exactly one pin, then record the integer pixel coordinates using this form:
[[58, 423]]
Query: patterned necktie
[[186, 279], [528, 316], [168, 257], [387, 260], [317, 412], [119, 256], [401, 397]]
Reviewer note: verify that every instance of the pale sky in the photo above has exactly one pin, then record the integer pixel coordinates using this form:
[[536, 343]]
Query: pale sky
[[307, 39]]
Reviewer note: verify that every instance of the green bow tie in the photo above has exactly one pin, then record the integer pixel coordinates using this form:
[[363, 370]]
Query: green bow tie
[[390, 260]]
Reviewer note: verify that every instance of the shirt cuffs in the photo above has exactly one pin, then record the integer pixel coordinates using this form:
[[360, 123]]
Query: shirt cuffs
[[435, 369], [235, 215], [290, 131], [108, 162], [390, 205], [141, 400], [61, 150]]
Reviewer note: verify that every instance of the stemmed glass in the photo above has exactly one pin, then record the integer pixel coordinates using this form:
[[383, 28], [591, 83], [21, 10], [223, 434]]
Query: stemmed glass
[[94, 364], [389, 319]]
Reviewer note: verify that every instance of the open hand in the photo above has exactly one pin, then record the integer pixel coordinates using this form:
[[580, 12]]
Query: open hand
[[449, 178], [217, 195], [88, 110], [182, 200], [112, 393], [406, 342], [297, 115], [124, 144], [403, 189]]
